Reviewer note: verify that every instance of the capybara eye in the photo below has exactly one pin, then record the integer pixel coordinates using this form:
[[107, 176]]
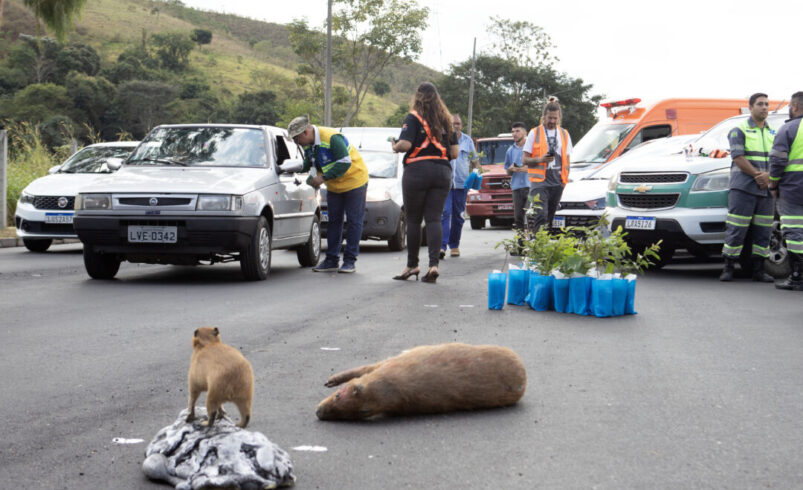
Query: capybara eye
[[337, 396]]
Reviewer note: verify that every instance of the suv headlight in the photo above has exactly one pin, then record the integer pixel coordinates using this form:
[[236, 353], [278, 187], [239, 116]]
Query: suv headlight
[[613, 181], [93, 201], [218, 202], [717, 180], [596, 204], [26, 198]]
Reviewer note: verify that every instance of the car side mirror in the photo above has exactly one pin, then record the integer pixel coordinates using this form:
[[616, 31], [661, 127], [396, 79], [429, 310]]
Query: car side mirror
[[54, 169], [114, 164], [291, 166]]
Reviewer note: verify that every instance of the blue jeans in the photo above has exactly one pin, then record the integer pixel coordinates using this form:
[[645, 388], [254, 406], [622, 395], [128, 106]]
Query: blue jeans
[[352, 204], [452, 219]]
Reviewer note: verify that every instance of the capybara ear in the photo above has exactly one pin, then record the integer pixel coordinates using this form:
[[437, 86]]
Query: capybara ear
[[196, 333], [356, 389], [216, 331]]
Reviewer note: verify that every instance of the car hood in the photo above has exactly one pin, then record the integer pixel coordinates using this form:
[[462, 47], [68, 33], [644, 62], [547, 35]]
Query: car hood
[[213, 180], [61, 184], [678, 163], [584, 190]]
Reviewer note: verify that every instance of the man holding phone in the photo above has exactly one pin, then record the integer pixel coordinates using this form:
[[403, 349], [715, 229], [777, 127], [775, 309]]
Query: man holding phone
[[546, 155]]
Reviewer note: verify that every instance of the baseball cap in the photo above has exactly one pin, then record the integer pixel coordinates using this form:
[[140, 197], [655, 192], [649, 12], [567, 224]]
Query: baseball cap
[[297, 126]]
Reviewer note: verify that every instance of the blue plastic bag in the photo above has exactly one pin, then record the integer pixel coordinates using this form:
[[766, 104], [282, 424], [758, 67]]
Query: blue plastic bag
[[496, 290], [518, 279], [630, 307], [619, 296], [473, 181], [540, 297], [580, 295], [560, 288], [602, 296]]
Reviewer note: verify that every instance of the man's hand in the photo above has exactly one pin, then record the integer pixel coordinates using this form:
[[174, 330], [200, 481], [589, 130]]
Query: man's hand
[[316, 181], [774, 192], [547, 158], [762, 179]]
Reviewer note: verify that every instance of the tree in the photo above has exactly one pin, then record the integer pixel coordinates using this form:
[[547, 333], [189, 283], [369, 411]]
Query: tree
[[37, 102], [173, 50], [381, 87], [57, 15], [521, 43], [257, 108], [91, 97], [141, 105], [201, 36]]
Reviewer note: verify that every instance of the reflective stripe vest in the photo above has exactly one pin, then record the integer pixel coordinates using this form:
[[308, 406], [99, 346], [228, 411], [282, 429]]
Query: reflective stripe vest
[[757, 144], [357, 174], [541, 147], [414, 156], [796, 153]]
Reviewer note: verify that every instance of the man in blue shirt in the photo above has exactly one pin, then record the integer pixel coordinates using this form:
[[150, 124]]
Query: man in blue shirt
[[452, 219], [519, 182]]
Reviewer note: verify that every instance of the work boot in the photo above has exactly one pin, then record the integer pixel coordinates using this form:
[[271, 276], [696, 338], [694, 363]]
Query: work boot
[[758, 271], [728, 270], [795, 281]]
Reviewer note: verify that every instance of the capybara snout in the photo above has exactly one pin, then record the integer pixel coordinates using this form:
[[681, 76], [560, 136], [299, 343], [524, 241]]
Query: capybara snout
[[428, 379]]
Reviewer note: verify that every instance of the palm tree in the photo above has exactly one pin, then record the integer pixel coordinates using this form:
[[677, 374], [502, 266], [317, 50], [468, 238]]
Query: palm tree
[[57, 15]]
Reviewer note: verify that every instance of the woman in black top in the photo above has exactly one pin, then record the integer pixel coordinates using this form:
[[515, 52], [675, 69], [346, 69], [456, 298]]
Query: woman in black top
[[429, 143]]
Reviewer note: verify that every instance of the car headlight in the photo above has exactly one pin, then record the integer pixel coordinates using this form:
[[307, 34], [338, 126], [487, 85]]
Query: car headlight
[[218, 202], [613, 181], [717, 180], [93, 201], [26, 198], [596, 204], [375, 195], [478, 196]]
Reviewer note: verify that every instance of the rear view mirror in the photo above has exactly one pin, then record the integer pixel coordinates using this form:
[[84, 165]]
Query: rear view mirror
[[291, 166]]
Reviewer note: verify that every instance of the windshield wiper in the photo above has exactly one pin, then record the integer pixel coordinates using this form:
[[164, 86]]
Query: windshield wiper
[[159, 160]]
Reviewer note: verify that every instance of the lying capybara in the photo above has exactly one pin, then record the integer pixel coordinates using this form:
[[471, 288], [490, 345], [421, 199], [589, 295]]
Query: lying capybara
[[428, 379], [223, 373]]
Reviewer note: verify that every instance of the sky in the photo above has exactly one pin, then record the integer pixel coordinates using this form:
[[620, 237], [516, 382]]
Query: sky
[[624, 48]]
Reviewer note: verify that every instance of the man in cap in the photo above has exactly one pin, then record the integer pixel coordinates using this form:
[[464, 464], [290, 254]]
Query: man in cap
[[339, 166]]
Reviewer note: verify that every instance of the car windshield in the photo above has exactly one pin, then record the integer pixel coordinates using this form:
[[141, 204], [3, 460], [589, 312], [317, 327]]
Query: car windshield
[[659, 146], [381, 164], [202, 146], [599, 142], [716, 138], [95, 160], [494, 151]]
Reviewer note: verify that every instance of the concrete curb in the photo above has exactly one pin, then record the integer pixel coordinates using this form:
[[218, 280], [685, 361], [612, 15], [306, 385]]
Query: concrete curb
[[17, 242]]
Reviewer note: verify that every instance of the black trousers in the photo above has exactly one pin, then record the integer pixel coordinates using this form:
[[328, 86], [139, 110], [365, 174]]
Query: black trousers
[[550, 199], [425, 185], [519, 207]]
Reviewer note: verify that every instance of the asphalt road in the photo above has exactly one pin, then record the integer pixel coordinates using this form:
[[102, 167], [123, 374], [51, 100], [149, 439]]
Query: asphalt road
[[702, 389]]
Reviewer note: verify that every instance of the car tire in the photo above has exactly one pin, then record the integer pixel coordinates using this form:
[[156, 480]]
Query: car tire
[[477, 222], [777, 265], [399, 239], [100, 266], [255, 260], [310, 252], [36, 245]]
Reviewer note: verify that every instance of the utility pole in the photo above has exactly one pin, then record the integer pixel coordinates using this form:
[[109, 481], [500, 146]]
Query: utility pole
[[327, 114], [471, 88], [3, 177]]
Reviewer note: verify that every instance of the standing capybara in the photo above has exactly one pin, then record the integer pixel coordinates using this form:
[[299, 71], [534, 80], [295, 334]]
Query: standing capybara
[[428, 379], [223, 373]]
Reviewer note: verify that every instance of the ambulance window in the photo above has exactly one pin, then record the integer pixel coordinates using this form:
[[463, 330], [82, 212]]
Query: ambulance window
[[650, 133]]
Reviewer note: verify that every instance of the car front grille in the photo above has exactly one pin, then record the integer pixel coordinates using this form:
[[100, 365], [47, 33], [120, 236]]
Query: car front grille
[[496, 183], [648, 201], [52, 202], [581, 220], [161, 201], [651, 178], [573, 205]]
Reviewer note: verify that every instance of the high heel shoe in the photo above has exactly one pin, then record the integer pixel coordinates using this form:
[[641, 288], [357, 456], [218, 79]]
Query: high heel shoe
[[404, 275], [430, 276]]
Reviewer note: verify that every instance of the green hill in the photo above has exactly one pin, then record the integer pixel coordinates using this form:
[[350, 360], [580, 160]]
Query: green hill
[[245, 54]]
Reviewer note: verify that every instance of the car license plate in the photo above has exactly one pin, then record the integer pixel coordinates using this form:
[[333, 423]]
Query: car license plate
[[152, 234], [558, 222], [506, 206], [324, 216], [58, 218], [639, 223]]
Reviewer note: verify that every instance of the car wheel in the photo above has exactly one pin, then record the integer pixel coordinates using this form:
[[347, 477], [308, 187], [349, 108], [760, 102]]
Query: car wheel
[[309, 253], [36, 245], [777, 265], [255, 260], [399, 239], [100, 266], [477, 222]]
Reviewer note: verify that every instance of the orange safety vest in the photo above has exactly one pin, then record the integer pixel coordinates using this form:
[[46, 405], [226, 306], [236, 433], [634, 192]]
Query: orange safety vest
[[413, 156], [541, 147]]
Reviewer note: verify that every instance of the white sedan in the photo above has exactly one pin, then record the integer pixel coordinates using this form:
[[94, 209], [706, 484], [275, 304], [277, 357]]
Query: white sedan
[[45, 207]]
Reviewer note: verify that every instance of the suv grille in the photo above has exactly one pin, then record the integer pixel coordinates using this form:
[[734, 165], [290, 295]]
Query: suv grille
[[648, 201], [573, 205], [52, 202], [496, 183], [162, 201], [650, 178]]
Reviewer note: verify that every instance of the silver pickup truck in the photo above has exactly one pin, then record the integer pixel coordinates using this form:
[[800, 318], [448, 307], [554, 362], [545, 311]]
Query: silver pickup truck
[[204, 192]]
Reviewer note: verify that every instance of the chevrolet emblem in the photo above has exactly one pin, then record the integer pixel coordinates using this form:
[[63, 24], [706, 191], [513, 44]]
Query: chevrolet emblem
[[643, 188]]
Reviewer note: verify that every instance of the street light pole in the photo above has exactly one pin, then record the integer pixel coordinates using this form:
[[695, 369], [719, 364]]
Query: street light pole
[[471, 88], [327, 116]]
